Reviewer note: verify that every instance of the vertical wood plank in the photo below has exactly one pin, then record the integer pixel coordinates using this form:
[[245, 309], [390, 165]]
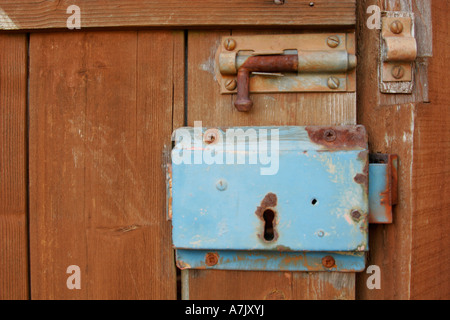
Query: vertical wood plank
[[99, 119], [13, 167], [413, 252], [206, 104], [430, 262]]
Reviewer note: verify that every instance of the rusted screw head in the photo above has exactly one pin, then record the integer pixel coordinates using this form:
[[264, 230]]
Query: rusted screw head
[[328, 262], [333, 41], [333, 83], [211, 136], [329, 135], [398, 72], [356, 215], [230, 44], [396, 27], [230, 84], [211, 259]]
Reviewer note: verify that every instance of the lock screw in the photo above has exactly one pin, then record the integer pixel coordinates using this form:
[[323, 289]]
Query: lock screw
[[230, 44], [396, 27], [221, 185], [230, 84], [329, 135], [333, 83], [398, 72], [356, 215], [328, 262], [333, 41], [211, 259]]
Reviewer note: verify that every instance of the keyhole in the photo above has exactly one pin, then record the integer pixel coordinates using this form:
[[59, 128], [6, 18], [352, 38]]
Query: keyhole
[[269, 216]]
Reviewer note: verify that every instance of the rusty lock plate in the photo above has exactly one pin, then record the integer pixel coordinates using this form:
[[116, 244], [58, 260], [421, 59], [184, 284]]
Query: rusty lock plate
[[270, 198]]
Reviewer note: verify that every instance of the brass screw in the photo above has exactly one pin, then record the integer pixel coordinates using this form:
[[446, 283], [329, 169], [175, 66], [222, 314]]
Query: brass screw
[[333, 83], [396, 27], [398, 72], [230, 84], [328, 262], [333, 41], [211, 259], [230, 44]]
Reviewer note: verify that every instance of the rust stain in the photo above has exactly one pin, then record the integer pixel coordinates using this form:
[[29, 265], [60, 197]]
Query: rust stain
[[268, 203], [182, 265], [339, 138], [281, 248], [363, 178]]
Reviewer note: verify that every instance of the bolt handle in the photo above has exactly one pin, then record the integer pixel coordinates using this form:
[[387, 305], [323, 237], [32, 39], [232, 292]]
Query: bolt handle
[[243, 102]]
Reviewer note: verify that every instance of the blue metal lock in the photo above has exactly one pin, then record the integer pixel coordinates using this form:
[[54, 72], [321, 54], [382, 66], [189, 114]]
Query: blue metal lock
[[270, 198]]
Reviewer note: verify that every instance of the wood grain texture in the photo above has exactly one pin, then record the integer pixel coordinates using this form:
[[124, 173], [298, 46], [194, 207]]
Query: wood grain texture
[[13, 168], [412, 252], [206, 104], [36, 14], [430, 262], [101, 107]]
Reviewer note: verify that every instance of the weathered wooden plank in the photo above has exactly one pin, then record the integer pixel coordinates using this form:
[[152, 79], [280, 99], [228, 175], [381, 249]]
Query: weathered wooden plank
[[13, 168], [430, 262], [206, 104], [36, 14], [413, 252], [99, 119]]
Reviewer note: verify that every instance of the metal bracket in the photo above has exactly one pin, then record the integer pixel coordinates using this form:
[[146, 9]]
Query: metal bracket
[[398, 52], [285, 63], [383, 187]]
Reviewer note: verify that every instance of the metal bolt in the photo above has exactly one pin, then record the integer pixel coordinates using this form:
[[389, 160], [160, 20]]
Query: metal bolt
[[278, 1], [230, 44], [221, 185], [333, 41], [334, 83], [329, 135], [398, 72], [396, 27], [321, 234], [356, 215], [211, 259], [328, 262], [230, 84]]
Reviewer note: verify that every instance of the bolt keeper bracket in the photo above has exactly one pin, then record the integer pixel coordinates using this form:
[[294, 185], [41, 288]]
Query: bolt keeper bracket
[[398, 53]]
